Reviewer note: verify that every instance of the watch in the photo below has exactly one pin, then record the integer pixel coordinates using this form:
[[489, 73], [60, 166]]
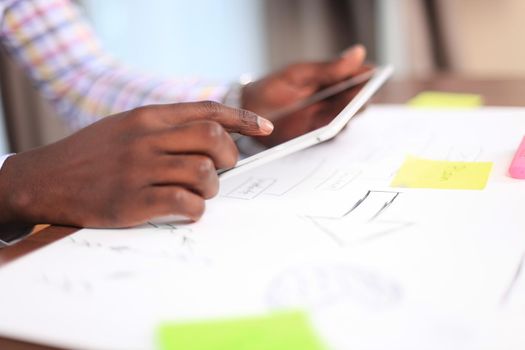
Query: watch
[[11, 234]]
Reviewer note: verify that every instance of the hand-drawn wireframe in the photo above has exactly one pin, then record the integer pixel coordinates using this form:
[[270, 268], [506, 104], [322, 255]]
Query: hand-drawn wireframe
[[285, 187], [307, 178], [267, 183], [67, 285], [316, 286], [83, 285], [251, 188], [182, 250], [464, 153], [338, 180], [361, 221]]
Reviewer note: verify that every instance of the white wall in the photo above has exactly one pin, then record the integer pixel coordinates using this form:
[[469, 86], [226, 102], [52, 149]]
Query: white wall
[[219, 39], [404, 38]]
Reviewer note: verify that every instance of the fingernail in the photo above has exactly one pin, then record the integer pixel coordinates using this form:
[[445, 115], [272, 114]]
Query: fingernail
[[265, 125], [352, 50]]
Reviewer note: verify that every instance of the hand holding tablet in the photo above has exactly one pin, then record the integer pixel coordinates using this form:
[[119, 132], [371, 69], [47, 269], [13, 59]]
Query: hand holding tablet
[[338, 111], [322, 95]]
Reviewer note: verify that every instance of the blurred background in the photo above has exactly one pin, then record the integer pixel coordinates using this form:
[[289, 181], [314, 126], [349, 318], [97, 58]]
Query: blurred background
[[222, 39]]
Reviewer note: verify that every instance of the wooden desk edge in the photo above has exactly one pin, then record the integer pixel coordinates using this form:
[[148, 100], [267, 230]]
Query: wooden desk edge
[[13, 344], [34, 242]]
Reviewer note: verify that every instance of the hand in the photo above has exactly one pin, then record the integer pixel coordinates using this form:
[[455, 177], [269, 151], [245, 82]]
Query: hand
[[294, 84], [128, 168]]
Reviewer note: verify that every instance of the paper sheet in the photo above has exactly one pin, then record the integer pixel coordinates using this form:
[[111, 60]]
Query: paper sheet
[[320, 231]]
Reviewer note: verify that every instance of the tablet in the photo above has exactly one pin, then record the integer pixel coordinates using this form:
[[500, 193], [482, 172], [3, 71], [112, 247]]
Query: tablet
[[366, 85]]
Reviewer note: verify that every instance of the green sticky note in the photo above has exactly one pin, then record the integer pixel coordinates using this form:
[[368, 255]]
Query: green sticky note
[[275, 331], [436, 99], [441, 174]]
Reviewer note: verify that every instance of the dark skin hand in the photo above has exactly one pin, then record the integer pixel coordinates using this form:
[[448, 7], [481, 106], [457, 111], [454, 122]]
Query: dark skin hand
[[160, 160], [128, 168], [295, 83]]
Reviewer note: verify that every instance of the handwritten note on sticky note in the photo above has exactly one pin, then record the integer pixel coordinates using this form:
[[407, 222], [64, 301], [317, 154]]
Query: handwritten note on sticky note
[[277, 331], [441, 174], [436, 99]]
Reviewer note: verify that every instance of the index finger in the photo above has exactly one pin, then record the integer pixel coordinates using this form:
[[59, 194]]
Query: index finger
[[231, 119]]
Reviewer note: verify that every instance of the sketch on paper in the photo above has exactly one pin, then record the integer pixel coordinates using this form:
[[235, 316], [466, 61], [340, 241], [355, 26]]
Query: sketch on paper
[[66, 285], [515, 291], [267, 183], [338, 180], [362, 220], [181, 248], [298, 179], [134, 258], [251, 188], [323, 285]]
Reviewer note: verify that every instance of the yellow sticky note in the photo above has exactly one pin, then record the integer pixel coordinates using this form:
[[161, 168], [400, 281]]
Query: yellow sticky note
[[441, 174], [436, 99], [276, 331]]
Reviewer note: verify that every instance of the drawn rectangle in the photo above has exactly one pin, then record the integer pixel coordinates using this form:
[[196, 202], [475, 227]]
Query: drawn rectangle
[[251, 188]]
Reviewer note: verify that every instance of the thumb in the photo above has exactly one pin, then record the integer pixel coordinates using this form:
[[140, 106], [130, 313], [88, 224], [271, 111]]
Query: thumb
[[328, 73], [351, 60]]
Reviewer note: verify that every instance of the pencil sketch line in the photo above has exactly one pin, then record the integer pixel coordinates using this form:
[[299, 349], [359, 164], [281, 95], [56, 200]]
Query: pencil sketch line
[[308, 176], [478, 155], [357, 204], [329, 233], [326, 180], [385, 206], [401, 225], [240, 186], [378, 191], [339, 179], [517, 274], [152, 224], [259, 184]]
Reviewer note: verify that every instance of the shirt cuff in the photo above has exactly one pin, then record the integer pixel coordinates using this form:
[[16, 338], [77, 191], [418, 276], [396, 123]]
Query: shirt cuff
[[3, 158]]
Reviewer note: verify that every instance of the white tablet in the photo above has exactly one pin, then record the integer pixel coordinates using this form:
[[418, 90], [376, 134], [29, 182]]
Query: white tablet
[[374, 80]]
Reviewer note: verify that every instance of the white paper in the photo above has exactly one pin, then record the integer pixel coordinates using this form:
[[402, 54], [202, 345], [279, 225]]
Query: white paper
[[321, 230]]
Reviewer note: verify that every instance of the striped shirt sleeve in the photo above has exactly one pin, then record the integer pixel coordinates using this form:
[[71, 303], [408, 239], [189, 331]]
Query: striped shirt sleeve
[[58, 49]]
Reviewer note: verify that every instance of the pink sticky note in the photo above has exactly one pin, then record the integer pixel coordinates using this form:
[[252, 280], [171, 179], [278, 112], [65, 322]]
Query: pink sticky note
[[517, 167]]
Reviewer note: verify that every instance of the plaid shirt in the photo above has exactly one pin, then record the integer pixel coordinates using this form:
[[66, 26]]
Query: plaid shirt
[[58, 49]]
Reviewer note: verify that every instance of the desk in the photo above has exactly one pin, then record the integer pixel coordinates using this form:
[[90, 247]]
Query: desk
[[494, 92]]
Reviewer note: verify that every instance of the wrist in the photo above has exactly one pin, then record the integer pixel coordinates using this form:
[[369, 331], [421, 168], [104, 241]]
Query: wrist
[[14, 201], [13, 225]]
